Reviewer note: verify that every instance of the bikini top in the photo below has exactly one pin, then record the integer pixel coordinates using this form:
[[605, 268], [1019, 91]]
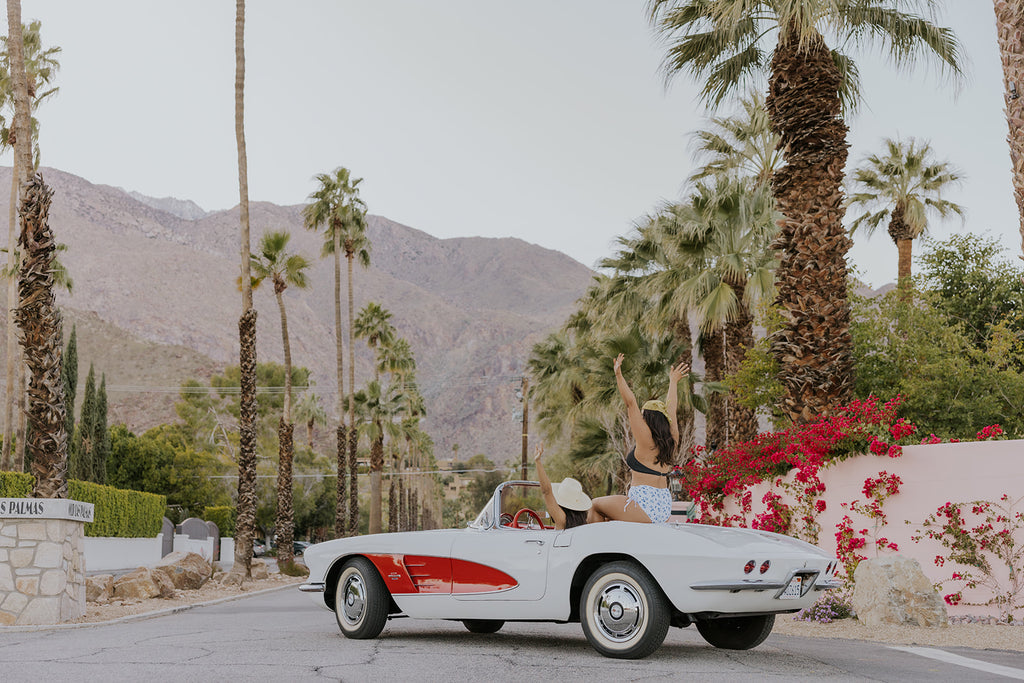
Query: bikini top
[[637, 466]]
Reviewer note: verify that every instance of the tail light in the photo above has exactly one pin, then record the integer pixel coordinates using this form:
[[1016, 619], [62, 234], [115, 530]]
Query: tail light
[[765, 565], [749, 567]]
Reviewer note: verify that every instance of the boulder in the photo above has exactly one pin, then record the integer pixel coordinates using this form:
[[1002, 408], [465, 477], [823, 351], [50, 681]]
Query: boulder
[[233, 578], [259, 570], [99, 588], [163, 583], [186, 571], [136, 585], [894, 590]]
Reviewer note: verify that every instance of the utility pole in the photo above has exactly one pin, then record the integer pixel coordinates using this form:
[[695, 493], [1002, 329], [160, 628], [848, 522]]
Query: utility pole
[[526, 421]]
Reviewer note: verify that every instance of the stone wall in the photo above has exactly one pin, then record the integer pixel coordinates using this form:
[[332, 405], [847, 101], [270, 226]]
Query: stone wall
[[42, 571]]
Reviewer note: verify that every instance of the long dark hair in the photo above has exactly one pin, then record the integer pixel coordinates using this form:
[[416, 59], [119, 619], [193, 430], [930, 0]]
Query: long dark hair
[[661, 431], [574, 517]]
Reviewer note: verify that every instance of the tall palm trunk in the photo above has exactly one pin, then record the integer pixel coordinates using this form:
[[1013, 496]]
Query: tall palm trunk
[[739, 336], [902, 236], [814, 348], [285, 453], [12, 304], [716, 428], [376, 467], [353, 434], [245, 524], [340, 518], [39, 320], [1010, 34]]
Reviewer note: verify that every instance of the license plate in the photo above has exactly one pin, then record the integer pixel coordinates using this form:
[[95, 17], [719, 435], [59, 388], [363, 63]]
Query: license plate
[[792, 591]]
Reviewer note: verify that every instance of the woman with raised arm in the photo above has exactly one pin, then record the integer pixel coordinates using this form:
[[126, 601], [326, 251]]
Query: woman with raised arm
[[566, 503], [655, 433]]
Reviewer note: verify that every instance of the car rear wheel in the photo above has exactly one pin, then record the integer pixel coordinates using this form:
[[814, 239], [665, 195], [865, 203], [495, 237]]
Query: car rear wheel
[[483, 625], [623, 611], [737, 633], [361, 600]]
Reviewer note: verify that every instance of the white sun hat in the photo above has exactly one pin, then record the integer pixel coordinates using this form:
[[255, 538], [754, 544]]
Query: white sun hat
[[569, 494]]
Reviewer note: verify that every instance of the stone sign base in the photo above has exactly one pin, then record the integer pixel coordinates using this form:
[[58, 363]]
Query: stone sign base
[[42, 571]]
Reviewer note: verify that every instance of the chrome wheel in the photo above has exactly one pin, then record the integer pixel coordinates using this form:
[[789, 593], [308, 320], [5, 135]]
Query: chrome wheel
[[361, 600], [354, 594], [619, 611], [623, 611]]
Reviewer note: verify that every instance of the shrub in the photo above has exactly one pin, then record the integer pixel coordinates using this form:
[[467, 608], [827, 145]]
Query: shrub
[[223, 516]]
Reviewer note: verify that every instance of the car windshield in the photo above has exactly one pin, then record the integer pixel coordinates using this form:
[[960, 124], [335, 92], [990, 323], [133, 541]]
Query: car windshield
[[514, 499]]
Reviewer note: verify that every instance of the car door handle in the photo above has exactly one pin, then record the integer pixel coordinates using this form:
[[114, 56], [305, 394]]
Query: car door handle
[[534, 540]]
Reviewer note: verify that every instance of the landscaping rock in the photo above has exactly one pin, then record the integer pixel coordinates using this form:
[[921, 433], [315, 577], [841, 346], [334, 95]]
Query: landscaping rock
[[186, 571], [259, 570], [138, 584], [164, 583], [99, 588], [894, 590], [233, 578]]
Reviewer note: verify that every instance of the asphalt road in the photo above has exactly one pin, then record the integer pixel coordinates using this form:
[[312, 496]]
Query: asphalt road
[[283, 636]]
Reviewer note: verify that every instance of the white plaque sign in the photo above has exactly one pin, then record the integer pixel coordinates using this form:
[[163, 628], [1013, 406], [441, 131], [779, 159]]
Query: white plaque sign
[[45, 508]]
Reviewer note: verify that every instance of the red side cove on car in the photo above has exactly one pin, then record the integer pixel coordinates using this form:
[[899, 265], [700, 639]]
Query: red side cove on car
[[625, 583]]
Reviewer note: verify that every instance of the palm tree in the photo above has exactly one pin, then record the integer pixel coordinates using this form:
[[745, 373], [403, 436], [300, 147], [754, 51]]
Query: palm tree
[[728, 227], [904, 185], [724, 43], [41, 67], [379, 407], [741, 144], [283, 268], [37, 314], [374, 325], [334, 204], [246, 506], [309, 412], [1010, 34]]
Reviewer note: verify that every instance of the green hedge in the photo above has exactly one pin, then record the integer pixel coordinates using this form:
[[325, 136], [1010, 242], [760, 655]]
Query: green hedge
[[117, 512], [223, 516]]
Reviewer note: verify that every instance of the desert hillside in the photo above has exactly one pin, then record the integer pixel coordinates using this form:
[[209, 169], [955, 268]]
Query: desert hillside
[[156, 302]]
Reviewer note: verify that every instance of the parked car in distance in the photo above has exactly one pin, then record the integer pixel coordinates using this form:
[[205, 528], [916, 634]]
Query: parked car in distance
[[258, 548], [625, 583], [299, 547]]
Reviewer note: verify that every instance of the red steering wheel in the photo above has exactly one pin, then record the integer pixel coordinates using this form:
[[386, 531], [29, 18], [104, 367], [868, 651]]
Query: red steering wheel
[[534, 517]]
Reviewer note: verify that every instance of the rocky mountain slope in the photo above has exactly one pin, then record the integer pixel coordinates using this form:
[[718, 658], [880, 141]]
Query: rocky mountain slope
[[156, 301]]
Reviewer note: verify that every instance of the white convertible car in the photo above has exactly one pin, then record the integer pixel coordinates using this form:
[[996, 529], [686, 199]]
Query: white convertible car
[[626, 583]]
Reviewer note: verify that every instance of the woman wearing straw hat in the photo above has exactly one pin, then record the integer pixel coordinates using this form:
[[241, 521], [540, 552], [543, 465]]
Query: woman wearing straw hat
[[655, 434], [566, 503]]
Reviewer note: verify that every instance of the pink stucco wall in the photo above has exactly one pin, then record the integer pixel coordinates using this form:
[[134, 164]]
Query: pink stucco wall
[[931, 475]]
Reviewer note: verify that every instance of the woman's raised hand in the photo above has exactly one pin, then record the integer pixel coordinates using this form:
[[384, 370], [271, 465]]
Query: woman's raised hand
[[676, 372], [539, 452], [618, 362]]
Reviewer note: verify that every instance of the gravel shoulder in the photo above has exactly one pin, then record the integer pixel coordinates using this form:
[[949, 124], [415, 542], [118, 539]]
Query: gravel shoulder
[[978, 636]]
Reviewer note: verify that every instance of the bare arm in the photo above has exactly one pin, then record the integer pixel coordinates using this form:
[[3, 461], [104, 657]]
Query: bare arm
[[676, 373], [554, 509], [641, 432]]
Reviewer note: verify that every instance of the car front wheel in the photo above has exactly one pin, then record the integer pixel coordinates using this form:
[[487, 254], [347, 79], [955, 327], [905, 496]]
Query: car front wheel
[[483, 625], [737, 633], [361, 600], [623, 611]]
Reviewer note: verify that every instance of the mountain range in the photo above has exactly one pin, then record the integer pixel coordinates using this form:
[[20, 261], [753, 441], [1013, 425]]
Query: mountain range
[[155, 302]]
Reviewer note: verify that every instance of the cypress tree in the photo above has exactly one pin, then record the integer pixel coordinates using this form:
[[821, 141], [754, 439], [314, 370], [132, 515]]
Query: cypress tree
[[101, 437], [83, 446], [69, 378]]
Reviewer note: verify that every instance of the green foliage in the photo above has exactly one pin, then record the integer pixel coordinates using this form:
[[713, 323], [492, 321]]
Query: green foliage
[[162, 461], [974, 285], [100, 435], [756, 384], [949, 385], [117, 512], [223, 516], [80, 459], [69, 378]]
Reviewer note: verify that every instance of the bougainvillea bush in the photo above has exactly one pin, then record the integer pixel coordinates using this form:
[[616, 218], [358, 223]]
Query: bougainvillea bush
[[984, 539], [832, 605]]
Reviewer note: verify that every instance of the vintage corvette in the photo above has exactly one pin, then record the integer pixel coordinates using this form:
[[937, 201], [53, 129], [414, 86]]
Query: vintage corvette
[[626, 583]]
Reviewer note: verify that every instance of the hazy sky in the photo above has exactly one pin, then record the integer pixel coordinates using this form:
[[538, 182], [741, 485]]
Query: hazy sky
[[547, 121]]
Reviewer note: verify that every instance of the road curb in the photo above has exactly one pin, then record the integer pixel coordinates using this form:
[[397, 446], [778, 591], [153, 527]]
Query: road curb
[[143, 615]]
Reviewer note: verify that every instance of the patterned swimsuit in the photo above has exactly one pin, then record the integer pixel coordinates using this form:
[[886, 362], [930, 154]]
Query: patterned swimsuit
[[656, 502]]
